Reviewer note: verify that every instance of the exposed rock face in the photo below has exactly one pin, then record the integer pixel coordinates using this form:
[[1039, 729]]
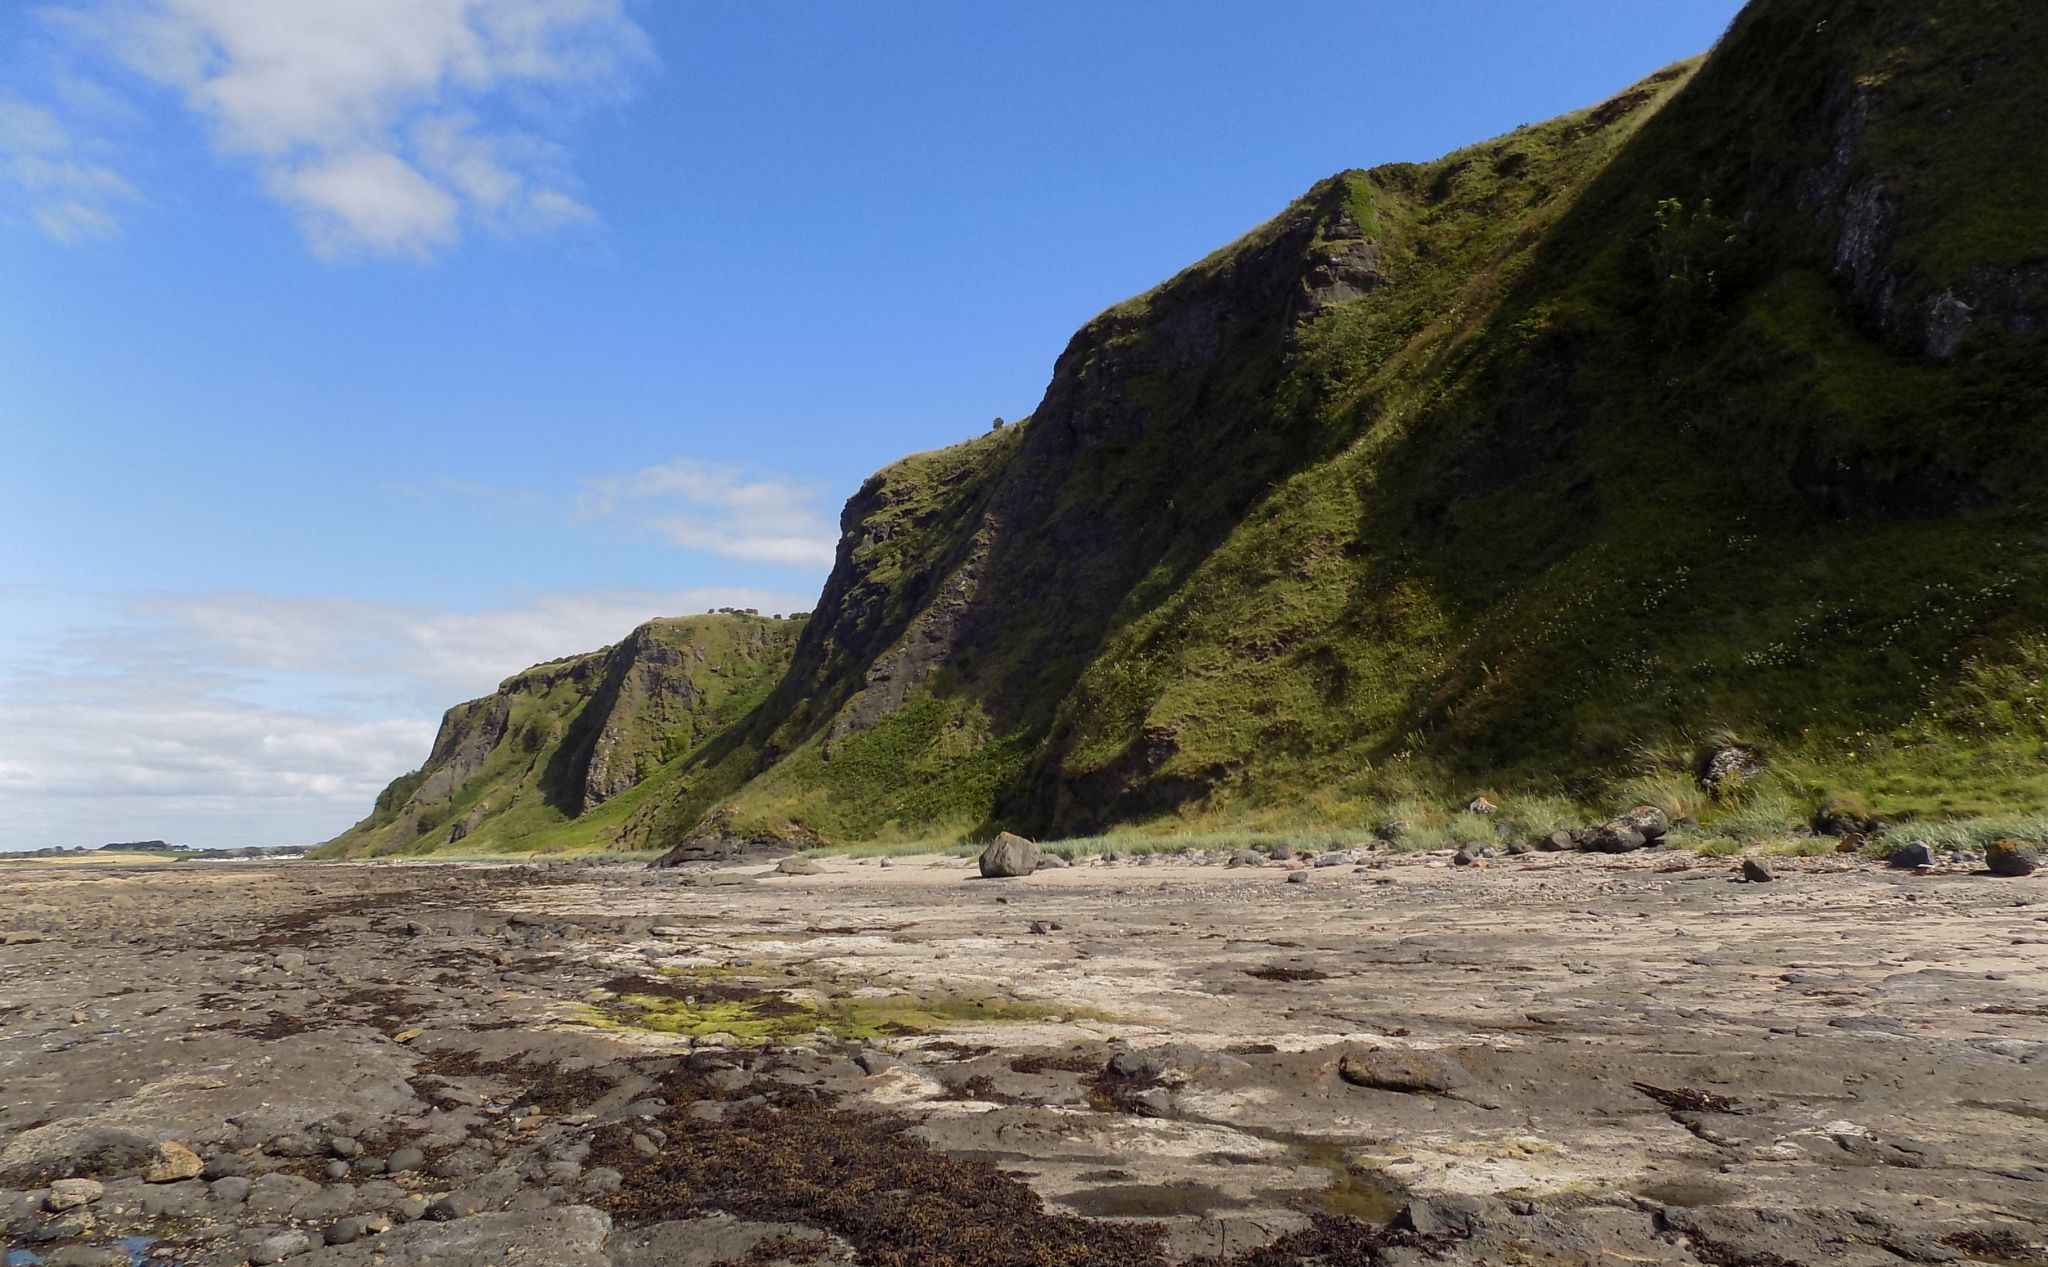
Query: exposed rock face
[[564, 738], [651, 703], [1861, 193]]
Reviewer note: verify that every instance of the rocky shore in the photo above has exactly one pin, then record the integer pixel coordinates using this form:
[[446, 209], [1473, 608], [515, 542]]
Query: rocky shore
[[1550, 1058]]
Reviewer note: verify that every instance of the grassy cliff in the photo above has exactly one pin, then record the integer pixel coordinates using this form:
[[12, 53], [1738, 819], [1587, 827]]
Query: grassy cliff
[[1714, 413], [563, 754]]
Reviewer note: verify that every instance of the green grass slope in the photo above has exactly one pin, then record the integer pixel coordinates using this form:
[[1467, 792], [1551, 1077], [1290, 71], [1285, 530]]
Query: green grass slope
[[563, 754], [1713, 413]]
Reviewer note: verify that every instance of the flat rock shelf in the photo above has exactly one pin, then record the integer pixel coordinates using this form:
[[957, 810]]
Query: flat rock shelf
[[1548, 1059]]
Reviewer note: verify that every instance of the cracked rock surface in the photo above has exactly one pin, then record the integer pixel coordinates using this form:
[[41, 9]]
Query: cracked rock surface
[[1545, 1059]]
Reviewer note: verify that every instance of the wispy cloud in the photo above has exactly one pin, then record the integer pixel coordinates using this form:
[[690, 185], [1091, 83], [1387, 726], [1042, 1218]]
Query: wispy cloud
[[719, 509], [70, 194], [437, 654], [245, 718], [385, 125]]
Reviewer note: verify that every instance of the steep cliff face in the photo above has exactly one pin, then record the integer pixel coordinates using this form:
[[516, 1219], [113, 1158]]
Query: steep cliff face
[[562, 753], [1717, 408], [1714, 414]]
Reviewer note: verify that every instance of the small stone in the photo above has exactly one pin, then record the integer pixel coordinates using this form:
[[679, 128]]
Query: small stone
[[275, 1249], [225, 1164], [406, 1035], [357, 1226], [171, 1162], [2012, 858], [337, 1170], [1297, 877], [456, 1205], [1558, 842], [288, 960], [873, 1062], [1756, 872], [404, 1159], [231, 1189], [71, 1194], [798, 865]]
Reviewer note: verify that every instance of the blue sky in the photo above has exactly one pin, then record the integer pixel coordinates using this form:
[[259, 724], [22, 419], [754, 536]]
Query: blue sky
[[360, 352]]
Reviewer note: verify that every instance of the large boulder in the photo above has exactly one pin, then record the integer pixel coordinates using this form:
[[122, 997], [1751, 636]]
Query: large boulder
[[1613, 838], [1646, 820], [1640, 828], [1007, 857], [2012, 858], [1911, 857]]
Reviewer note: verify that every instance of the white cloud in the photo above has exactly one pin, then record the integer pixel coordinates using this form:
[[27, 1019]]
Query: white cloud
[[441, 655], [233, 719], [365, 116], [70, 195], [368, 200], [720, 509]]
